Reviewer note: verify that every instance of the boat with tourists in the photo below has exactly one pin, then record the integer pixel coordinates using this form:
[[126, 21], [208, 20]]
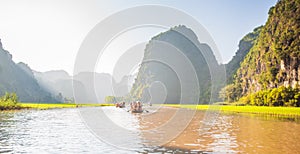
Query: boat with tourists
[[136, 107], [120, 105]]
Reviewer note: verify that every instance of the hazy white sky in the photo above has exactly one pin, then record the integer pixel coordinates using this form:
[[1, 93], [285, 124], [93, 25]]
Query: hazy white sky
[[46, 34]]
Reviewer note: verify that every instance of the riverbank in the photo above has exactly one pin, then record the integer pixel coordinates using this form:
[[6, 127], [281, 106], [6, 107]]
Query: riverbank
[[261, 110], [43, 106], [9, 107]]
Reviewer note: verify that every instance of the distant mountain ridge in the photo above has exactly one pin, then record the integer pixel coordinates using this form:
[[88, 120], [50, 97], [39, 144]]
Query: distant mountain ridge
[[85, 87], [19, 78], [56, 86]]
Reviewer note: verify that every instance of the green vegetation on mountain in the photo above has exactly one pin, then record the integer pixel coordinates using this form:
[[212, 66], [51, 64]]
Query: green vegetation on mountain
[[244, 47], [270, 73]]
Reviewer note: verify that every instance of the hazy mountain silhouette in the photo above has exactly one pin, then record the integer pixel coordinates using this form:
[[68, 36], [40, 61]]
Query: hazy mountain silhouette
[[166, 56], [19, 78], [85, 87]]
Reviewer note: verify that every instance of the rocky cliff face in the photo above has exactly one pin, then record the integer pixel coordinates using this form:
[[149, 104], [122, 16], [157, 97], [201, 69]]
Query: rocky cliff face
[[275, 57], [245, 44], [19, 78], [168, 55]]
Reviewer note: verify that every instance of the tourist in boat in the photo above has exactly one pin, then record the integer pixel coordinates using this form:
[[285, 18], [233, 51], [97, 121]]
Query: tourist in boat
[[131, 106], [122, 105], [135, 106], [139, 106]]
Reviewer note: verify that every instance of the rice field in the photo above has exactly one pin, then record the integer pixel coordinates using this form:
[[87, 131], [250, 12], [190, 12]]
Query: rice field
[[263, 110]]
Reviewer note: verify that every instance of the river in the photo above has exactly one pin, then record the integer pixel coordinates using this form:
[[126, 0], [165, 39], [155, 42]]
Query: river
[[111, 130]]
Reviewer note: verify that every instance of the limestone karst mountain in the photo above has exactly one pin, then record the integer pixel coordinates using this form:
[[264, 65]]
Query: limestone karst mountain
[[19, 78]]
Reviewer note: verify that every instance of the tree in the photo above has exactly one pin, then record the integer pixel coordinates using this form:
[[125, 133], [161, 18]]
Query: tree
[[10, 97], [14, 98], [231, 93], [110, 99], [281, 96], [9, 101], [59, 97]]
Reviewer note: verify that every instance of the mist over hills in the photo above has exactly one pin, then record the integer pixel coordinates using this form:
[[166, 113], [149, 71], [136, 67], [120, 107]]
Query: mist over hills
[[90, 87], [57, 86], [265, 65], [176, 67], [85, 87], [19, 78], [170, 58]]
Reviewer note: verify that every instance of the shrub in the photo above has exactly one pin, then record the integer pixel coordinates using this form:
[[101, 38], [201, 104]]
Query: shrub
[[9, 101], [281, 96]]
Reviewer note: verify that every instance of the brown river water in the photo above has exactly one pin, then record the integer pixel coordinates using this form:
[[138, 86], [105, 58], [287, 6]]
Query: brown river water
[[158, 130]]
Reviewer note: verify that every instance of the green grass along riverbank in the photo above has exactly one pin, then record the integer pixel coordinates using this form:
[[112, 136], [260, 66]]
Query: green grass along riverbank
[[44, 106], [261, 110]]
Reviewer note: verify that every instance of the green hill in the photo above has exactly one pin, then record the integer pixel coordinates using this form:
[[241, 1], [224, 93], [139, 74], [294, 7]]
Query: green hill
[[245, 44], [273, 61]]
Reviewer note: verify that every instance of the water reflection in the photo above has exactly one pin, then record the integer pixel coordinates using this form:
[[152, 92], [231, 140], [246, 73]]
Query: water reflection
[[258, 135], [223, 135], [112, 130], [163, 125], [5, 124], [48, 131], [113, 126], [240, 134]]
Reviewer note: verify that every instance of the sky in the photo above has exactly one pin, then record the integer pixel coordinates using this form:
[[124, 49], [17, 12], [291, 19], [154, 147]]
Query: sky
[[47, 34]]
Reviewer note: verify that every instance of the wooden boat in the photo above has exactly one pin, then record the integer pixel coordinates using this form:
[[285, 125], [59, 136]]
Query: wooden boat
[[136, 107], [121, 106], [136, 111]]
